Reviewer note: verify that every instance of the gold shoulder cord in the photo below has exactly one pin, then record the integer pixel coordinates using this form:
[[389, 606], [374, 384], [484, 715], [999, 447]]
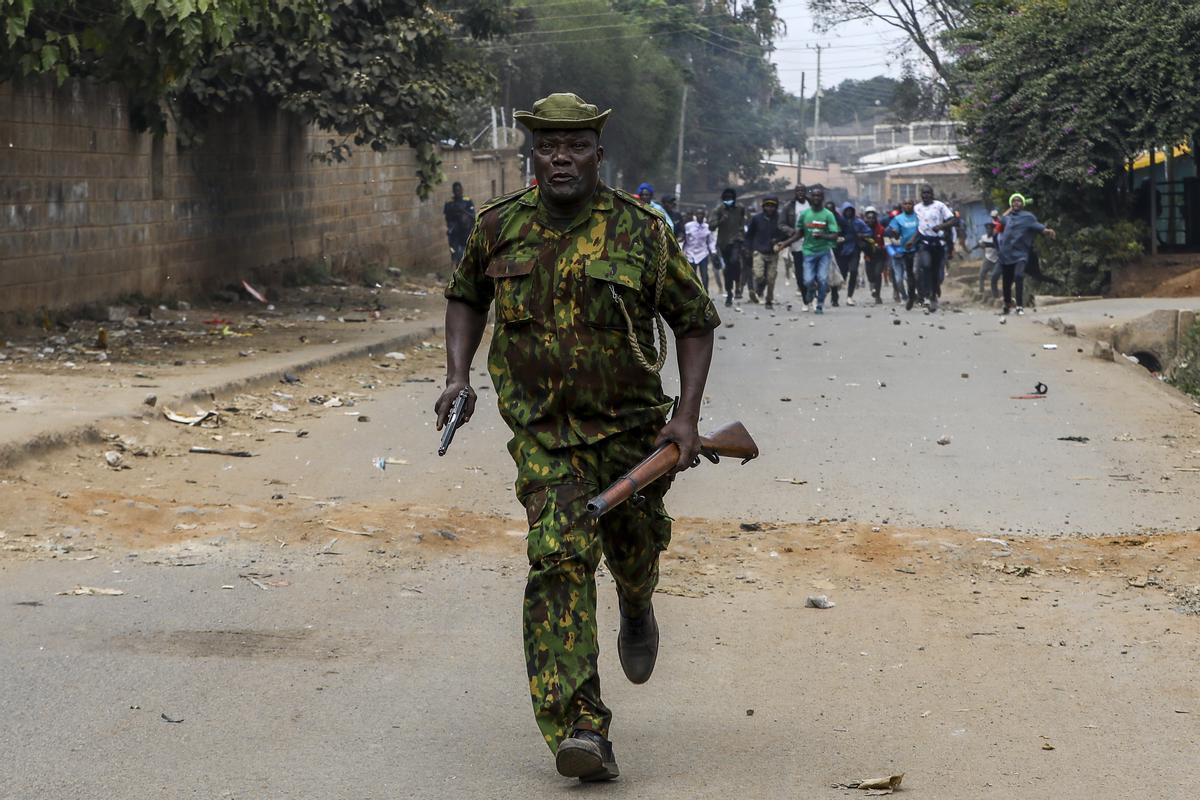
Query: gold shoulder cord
[[659, 274]]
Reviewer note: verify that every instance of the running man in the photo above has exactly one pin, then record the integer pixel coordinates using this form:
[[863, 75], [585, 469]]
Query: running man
[[936, 219], [699, 246], [902, 230], [819, 227], [874, 252], [767, 239], [730, 222]]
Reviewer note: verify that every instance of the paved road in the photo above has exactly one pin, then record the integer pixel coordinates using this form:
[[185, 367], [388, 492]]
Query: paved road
[[810, 389], [394, 670], [366, 680]]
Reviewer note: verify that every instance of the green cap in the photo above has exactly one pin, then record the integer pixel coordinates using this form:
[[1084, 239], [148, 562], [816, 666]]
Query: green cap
[[562, 111]]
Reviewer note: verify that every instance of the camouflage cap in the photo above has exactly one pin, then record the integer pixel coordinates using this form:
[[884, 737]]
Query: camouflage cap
[[563, 111]]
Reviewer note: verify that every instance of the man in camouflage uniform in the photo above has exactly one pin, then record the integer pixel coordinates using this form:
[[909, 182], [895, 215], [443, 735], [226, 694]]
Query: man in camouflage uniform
[[578, 274]]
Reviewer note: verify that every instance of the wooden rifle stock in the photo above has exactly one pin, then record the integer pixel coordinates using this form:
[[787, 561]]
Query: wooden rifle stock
[[731, 441]]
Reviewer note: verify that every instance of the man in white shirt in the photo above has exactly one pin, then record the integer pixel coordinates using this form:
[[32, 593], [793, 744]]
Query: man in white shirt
[[792, 212], [699, 244], [934, 219]]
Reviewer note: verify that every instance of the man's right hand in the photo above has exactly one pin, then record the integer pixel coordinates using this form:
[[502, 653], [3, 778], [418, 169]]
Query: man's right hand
[[446, 401]]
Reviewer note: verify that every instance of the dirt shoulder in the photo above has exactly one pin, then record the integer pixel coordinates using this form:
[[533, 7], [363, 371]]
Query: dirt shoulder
[[57, 385]]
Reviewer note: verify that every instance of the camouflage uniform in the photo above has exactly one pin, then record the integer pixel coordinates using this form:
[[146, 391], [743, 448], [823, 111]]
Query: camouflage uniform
[[582, 410]]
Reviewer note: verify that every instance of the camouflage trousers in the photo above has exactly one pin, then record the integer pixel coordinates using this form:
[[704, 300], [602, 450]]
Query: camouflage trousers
[[564, 547]]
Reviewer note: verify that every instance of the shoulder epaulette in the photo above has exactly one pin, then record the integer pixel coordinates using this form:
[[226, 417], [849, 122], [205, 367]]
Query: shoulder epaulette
[[636, 202], [505, 198]]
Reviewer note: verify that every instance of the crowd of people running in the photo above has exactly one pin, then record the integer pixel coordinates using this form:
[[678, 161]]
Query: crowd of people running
[[825, 248]]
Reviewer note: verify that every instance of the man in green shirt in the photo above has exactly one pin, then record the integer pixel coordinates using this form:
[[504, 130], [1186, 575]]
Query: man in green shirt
[[579, 275], [820, 230]]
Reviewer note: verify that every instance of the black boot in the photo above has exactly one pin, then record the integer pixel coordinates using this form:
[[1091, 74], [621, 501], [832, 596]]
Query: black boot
[[586, 755], [637, 645]]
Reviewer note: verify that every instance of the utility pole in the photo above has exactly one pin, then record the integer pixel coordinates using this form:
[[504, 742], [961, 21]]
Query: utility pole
[[679, 155], [682, 120], [817, 107], [803, 139]]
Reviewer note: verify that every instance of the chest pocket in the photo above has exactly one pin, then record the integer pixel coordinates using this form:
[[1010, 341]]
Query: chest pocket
[[604, 276], [514, 287]]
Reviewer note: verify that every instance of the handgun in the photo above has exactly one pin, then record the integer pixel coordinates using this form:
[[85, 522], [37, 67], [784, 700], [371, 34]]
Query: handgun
[[453, 421]]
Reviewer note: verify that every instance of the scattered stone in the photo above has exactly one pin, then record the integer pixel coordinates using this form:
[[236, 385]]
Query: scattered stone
[[1103, 351], [150, 400], [944, 440]]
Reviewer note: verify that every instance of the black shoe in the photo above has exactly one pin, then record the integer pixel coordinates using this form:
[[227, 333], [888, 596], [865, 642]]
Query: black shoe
[[586, 755], [637, 645], [769, 306], [728, 301], [908, 304]]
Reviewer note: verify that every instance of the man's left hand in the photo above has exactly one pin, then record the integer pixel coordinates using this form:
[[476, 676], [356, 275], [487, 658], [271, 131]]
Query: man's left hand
[[687, 436]]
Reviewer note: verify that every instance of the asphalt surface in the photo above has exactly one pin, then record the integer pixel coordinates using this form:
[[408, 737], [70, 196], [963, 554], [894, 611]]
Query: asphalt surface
[[380, 674], [357, 681], [853, 405]]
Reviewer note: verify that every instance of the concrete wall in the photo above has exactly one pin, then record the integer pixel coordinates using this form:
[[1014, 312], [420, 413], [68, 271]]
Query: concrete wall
[[90, 210]]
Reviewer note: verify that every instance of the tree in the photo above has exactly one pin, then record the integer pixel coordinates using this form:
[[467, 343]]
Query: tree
[[636, 56], [916, 99], [861, 102], [149, 47], [379, 73], [1062, 128], [606, 57], [923, 23]]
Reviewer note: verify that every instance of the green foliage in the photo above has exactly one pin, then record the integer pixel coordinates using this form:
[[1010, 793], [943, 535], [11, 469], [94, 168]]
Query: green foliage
[[1186, 376], [635, 56], [1081, 258], [147, 46], [856, 102], [926, 25], [1060, 94], [378, 73]]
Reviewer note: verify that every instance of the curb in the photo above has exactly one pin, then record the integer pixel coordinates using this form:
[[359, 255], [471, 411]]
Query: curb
[[271, 376], [14, 453]]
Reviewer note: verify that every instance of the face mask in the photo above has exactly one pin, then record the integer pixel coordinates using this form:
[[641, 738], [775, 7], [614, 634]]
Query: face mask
[[728, 203]]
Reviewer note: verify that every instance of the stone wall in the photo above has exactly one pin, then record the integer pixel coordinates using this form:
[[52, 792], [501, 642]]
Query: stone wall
[[90, 210]]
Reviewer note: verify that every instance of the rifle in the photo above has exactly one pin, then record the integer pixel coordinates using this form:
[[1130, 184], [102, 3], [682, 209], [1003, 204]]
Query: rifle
[[731, 441], [453, 420]]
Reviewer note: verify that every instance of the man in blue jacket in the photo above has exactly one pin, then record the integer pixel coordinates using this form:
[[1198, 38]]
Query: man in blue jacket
[[849, 250]]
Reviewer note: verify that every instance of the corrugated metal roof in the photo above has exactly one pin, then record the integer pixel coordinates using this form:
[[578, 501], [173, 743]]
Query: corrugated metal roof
[[924, 162]]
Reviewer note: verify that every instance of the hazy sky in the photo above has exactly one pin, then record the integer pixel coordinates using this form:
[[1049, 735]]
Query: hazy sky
[[856, 50]]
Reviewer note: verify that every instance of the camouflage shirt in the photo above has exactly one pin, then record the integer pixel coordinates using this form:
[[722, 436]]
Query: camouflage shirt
[[560, 358]]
